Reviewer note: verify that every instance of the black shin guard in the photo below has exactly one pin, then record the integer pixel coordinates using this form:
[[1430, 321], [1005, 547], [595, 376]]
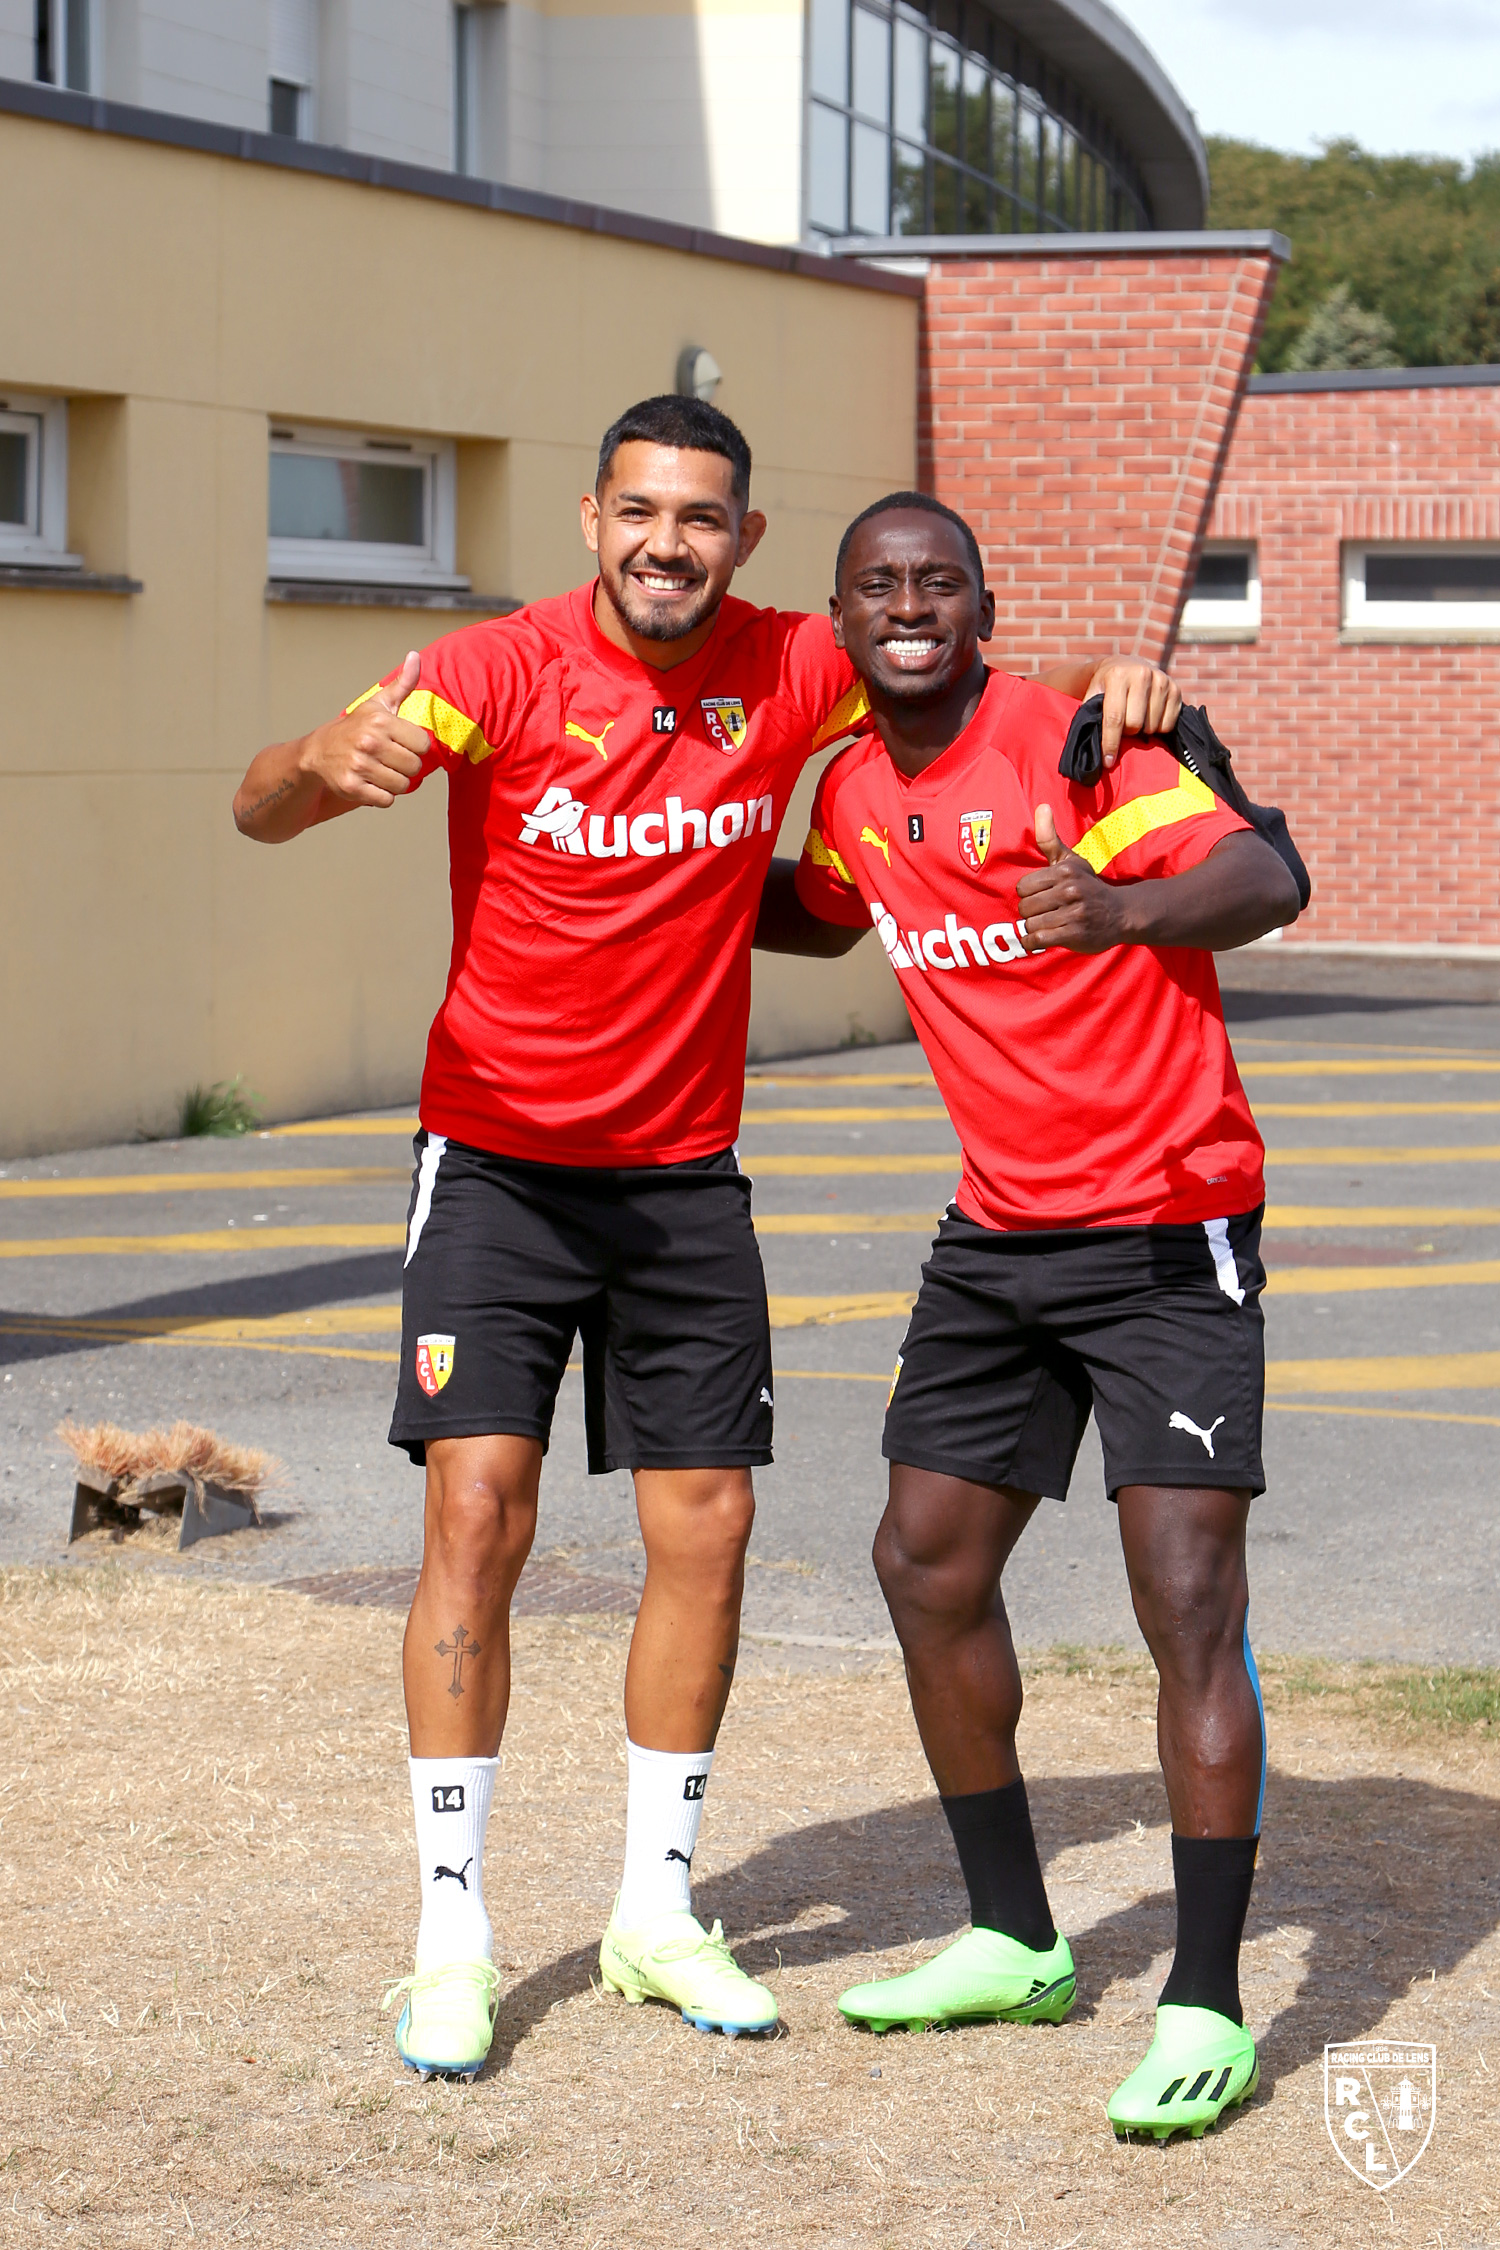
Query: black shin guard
[[1213, 1875], [997, 1852]]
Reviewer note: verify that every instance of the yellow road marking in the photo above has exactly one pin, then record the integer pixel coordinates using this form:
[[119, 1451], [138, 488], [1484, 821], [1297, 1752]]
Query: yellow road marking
[[845, 1116], [1461, 1153], [1334, 1281], [1361, 1067], [787, 1081], [336, 1128], [381, 1237], [1384, 1413], [1381, 1215], [167, 1183], [847, 1222], [798, 1312], [825, 1167], [1435, 1371], [1377, 1109]]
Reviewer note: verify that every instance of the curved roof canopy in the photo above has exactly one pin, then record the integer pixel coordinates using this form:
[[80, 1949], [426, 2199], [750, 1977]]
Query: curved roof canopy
[[1118, 73]]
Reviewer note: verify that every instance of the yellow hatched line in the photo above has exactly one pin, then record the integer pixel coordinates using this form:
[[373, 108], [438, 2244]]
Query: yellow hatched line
[[787, 1082], [1460, 1153], [1335, 1281], [848, 1116], [1377, 1109], [169, 1183], [1382, 1215], [830, 1167], [340, 1128], [381, 1237], [1359, 1067], [1436, 1371]]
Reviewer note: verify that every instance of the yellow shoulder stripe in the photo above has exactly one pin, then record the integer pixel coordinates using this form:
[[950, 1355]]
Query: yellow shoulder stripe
[[454, 729], [1127, 824], [846, 713], [824, 855]]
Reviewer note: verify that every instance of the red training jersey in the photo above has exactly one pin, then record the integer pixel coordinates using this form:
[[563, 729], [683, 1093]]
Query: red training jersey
[[1088, 1090], [609, 828]]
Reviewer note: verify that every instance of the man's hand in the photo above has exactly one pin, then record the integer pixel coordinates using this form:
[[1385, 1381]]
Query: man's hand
[[1065, 903], [1138, 699], [367, 756]]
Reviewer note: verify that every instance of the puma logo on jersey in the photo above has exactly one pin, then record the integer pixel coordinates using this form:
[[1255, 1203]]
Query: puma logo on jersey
[[1186, 1422], [583, 735], [571, 827], [882, 841]]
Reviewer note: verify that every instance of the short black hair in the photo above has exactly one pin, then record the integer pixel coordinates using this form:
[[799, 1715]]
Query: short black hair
[[924, 504], [690, 425]]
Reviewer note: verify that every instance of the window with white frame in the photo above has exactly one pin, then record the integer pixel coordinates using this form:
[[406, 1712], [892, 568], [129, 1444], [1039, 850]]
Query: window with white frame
[[356, 506], [1224, 603], [465, 89], [34, 483], [1427, 592], [294, 57], [66, 42]]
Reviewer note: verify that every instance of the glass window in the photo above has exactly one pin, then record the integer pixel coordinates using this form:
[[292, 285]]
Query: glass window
[[1224, 603], [828, 50], [347, 506], [942, 78], [911, 80], [1430, 593], [1455, 574], [870, 183], [18, 451], [909, 191], [872, 65], [976, 115], [286, 109], [947, 198], [827, 170], [34, 483], [62, 49]]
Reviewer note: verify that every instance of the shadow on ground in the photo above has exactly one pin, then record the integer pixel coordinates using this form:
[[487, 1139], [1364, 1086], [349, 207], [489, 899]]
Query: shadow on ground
[[1349, 1861], [256, 1296]]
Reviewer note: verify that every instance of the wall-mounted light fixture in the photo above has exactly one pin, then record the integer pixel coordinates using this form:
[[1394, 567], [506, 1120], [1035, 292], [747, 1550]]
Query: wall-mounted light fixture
[[698, 373]]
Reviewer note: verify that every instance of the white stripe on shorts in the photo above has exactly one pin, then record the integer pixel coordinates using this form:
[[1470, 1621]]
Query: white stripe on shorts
[[1217, 1231], [427, 1171]]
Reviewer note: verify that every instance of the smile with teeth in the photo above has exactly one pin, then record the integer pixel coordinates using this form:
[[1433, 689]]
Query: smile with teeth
[[909, 652], [657, 582]]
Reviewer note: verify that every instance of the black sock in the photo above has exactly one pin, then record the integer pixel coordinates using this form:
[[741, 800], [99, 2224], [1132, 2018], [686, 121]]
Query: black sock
[[997, 1852], [1213, 1875]]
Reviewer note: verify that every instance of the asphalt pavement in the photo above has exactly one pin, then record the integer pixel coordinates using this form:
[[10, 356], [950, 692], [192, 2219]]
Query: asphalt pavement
[[253, 1285]]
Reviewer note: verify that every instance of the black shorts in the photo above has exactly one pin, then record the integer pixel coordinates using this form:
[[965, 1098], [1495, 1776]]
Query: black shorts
[[1014, 1337], [656, 1268]]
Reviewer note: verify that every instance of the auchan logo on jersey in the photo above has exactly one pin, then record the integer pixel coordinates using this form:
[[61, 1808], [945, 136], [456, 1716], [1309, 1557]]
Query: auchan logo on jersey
[[955, 946], [649, 835]]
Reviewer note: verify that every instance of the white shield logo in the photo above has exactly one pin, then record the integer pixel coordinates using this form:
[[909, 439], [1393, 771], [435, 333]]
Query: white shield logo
[[1380, 2104]]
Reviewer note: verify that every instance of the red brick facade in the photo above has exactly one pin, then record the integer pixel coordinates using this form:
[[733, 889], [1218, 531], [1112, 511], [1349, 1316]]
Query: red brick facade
[[1076, 408], [1386, 756]]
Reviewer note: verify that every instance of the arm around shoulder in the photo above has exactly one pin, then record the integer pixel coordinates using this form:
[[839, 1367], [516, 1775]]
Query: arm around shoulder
[[785, 925]]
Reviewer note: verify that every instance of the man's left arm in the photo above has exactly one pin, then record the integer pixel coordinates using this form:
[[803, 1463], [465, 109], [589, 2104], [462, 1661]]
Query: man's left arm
[[1138, 698], [1239, 891]]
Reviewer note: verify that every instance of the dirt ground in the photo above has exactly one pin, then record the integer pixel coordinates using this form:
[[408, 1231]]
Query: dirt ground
[[198, 1911]]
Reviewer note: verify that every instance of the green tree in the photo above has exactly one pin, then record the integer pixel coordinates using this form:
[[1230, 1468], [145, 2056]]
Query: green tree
[[1412, 239], [1340, 333]]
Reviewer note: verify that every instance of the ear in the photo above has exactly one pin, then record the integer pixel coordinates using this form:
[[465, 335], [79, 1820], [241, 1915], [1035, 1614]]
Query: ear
[[987, 616], [752, 531], [588, 509], [836, 613]]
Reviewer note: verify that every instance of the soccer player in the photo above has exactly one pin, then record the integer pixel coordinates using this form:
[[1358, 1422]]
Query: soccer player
[[618, 762], [1053, 943]]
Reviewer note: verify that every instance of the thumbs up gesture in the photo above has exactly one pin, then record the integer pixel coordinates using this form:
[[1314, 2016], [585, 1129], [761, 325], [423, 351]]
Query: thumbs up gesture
[[1063, 901], [369, 755]]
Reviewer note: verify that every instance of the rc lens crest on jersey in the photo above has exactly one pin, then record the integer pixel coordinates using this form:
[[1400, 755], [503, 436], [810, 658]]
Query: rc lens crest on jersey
[[725, 721], [974, 838]]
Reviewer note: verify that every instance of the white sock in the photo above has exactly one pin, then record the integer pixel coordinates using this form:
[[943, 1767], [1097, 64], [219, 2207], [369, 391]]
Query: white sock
[[663, 1810], [450, 1800]]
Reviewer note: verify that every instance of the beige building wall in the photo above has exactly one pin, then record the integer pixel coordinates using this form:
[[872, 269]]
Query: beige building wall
[[180, 301]]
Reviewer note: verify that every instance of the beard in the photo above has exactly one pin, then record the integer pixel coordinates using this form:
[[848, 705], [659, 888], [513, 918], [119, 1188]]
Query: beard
[[641, 615]]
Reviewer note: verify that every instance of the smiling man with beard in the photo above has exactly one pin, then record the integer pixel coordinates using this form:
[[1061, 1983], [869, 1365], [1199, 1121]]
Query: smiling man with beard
[[1053, 942], [619, 760]]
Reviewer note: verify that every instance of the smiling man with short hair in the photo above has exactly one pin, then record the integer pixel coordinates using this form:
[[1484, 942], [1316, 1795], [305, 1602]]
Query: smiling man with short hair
[[619, 760], [1053, 942]]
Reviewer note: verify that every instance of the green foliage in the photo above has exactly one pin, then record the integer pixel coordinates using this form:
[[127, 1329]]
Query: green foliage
[[1340, 333], [1458, 1696], [221, 1110], [1413, 239]]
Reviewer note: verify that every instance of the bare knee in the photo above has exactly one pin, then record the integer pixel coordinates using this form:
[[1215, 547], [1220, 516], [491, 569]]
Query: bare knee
[[697, 1520], [481, 1511], [930, 1579]]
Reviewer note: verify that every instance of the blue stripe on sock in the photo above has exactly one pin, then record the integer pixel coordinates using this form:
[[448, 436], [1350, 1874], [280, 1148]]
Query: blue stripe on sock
[[1260, 1705]]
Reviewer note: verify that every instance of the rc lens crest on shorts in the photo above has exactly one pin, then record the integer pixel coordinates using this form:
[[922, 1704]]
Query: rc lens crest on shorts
[[434, 1362]]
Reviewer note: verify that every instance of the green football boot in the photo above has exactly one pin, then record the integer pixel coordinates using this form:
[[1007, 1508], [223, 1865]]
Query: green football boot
[[1198, 2065], [449, 2018], [673, 1958], [982, 1977]]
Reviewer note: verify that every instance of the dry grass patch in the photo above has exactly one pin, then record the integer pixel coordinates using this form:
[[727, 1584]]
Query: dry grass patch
[[206, 1875]]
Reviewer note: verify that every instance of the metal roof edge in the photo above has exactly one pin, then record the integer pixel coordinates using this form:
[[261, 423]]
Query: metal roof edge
[[88, 113], [1379, 379], [1167, 243]]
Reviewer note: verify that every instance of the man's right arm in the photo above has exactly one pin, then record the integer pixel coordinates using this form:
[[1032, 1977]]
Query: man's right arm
[[367, 756], [785, 925]]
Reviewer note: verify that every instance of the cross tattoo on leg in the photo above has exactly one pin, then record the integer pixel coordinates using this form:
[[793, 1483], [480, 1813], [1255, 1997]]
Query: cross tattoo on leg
[[457, 1649]]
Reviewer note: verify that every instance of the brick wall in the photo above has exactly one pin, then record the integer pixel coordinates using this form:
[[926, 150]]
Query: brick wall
[[1386, 756], [1076, 408]]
